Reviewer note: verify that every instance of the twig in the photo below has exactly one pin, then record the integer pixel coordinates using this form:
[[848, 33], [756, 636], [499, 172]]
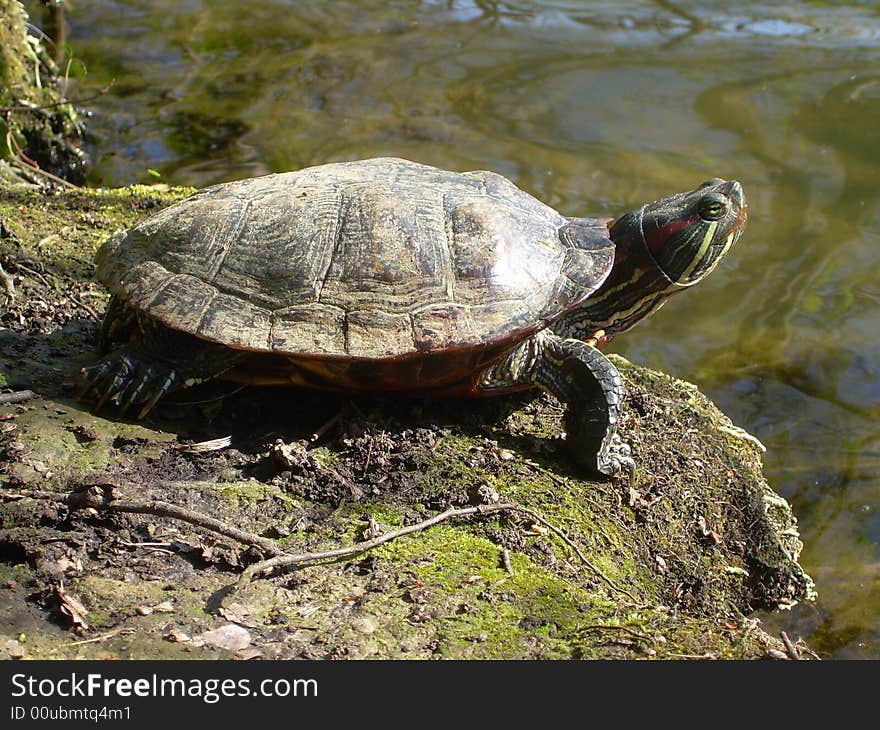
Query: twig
[[102, 637], [32, 107], [34, 494], [37, 170], [213, 399], [319, 434], [145, 544], [156, 547], [562, 536], [18, 396], [33, 272], [205, 446], [51, 285], [83, 305], [789, 647], [166, 509], [505, 560], [101, 497], [286, 560], [8, 286]]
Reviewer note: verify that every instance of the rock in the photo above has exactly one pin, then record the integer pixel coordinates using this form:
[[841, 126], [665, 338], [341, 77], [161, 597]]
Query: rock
[[230, 637], [660, 562]]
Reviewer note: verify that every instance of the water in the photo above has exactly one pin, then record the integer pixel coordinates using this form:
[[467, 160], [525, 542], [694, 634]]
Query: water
[[595, 108]]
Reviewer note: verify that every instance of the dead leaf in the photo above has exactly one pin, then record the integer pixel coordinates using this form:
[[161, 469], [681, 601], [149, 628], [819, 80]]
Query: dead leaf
[[71, 608], [238, 613], [372, 530], [249, 653], [230, 637], [289, 455]]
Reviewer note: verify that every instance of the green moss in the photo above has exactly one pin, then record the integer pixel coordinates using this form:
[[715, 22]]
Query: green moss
[[65, 232], [61, 443]]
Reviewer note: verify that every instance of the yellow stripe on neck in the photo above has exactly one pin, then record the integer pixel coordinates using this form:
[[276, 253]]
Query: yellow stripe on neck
[[704, 246]]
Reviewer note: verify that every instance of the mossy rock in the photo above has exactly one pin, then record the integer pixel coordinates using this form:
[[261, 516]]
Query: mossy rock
[[676, 559]]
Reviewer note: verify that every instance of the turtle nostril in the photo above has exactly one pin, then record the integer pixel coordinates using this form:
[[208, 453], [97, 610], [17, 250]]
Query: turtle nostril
[[735, 193]]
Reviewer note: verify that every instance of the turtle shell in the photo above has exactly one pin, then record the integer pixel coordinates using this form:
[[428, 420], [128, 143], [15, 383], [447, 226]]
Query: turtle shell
[[374, 259]]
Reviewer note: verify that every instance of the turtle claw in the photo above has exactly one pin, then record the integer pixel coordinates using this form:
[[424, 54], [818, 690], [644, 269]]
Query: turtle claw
[[105, 379], [126, 380], [128, 396], [93, 377], [616, 458], [162, 390]]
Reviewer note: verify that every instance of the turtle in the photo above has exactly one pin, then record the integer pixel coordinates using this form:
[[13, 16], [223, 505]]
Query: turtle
[[390, 275]]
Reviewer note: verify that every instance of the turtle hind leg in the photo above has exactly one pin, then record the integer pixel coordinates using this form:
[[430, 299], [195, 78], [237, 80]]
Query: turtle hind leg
[[580, 376], [161, 361], [119, 324]]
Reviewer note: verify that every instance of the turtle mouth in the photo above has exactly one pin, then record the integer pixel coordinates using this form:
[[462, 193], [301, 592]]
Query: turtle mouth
[[734, 192]]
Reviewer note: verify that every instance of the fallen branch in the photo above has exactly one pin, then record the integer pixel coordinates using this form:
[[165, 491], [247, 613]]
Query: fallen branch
[[26, 165], [104, 498], [286, 560], [17, 396]]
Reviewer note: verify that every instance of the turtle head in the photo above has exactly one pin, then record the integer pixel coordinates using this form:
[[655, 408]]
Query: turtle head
[[685, 235], [659, 250]]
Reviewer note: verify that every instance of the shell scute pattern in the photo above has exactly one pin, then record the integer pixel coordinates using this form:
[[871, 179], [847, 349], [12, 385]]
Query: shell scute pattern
[[380, 258]]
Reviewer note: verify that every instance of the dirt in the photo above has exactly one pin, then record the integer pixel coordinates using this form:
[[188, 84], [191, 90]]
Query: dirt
[[678, 557]]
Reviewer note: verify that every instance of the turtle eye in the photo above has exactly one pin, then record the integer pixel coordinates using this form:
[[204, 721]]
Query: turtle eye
[[713, 207]]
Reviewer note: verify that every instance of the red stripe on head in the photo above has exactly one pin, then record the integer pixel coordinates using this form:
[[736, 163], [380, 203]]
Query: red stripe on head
[[656, 239]]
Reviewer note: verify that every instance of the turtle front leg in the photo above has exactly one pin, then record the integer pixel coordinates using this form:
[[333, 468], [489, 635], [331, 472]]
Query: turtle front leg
[[580, 376], [145, 370]]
